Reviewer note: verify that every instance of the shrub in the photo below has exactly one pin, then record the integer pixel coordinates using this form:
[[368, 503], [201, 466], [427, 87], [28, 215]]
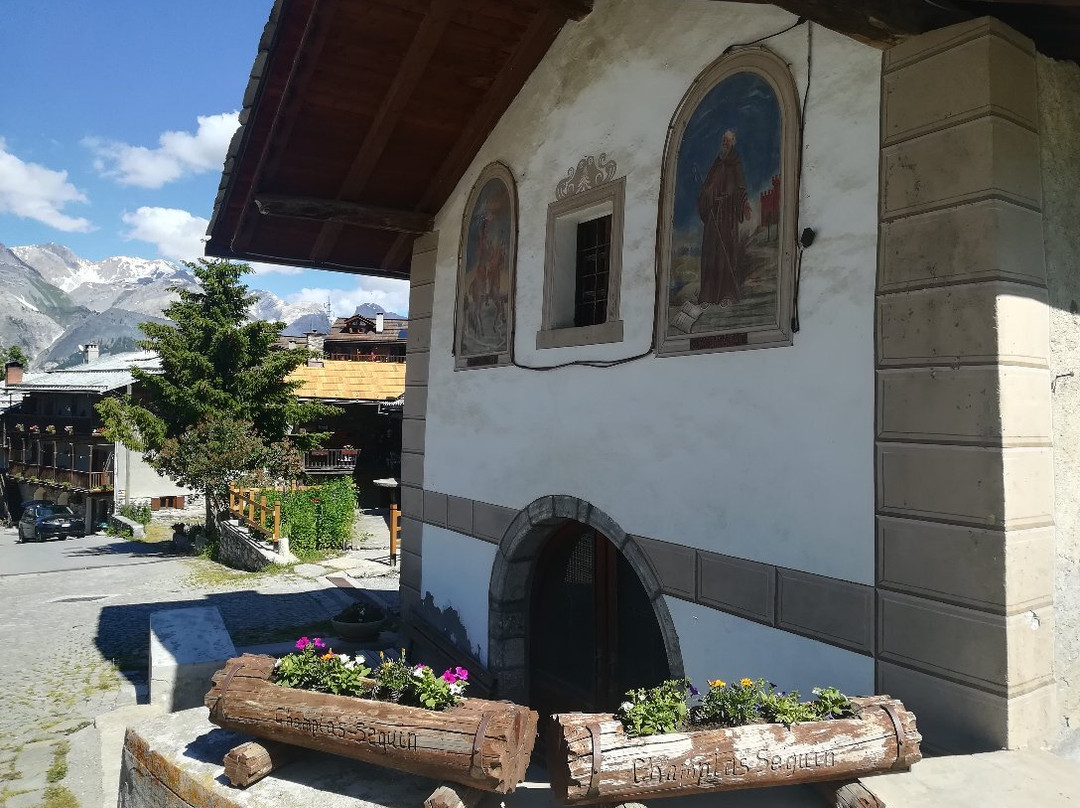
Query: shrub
[[136, 513], [656, 710], [316, 518]]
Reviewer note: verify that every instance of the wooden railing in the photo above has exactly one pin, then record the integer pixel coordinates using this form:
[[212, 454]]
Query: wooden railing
[[250, 507], [258, 515], [330, 460], [84, 480]]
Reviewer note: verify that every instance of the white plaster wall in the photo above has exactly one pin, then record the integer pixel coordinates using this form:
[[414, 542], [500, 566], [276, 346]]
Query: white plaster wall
[[762, 454], [1059, 103], [458, 569], [716, 645], [141, 481]]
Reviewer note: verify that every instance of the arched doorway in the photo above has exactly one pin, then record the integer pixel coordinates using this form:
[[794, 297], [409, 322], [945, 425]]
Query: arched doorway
[[593, 632], [528, 548]]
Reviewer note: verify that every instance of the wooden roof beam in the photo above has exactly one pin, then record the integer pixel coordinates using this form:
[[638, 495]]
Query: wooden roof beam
[[314, 39], [413, 65], [344, 213], [535, 42]]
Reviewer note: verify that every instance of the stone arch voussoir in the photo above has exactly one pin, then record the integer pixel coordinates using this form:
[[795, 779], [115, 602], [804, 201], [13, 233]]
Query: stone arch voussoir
[[511, 578]]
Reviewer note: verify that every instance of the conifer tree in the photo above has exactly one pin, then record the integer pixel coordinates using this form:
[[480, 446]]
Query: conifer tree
[[221, 409]]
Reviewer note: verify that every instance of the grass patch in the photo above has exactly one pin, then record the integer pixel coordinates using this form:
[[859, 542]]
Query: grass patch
[[157, 532], [58, 770], [206, 573], [59, 797]]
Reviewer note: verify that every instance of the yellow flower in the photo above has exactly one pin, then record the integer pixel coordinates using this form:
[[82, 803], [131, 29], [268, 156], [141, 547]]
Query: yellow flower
[[746, 682], [327, 656], [717, 683]]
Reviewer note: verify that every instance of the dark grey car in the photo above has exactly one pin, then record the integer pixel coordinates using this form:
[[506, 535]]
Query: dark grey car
[[43, 522]]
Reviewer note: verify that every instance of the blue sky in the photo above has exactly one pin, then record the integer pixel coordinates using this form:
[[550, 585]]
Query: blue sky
[[114, 120]]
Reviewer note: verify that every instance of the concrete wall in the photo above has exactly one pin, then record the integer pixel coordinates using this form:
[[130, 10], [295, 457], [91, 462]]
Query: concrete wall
[[1059, 106], [766, 454], [713, 642], [136, 482]]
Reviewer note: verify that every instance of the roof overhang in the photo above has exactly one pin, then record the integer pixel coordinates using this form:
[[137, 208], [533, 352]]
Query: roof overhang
[[360, 118]]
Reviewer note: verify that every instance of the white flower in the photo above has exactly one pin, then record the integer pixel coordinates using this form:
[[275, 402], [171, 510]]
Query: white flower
[[277, 664], [359, 659], [626, 706], [418, 673], [349, 665], [456, 688]]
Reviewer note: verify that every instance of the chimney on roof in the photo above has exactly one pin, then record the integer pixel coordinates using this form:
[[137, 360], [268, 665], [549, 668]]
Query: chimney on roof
[[379, 323], [314, 341], [13, 373], [91, 351]]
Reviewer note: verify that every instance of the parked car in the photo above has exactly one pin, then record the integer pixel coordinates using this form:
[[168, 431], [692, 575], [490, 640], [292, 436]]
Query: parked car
[[43, 522]]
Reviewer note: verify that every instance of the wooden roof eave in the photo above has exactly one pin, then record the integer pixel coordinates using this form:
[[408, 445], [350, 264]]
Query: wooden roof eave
[[288, 56]]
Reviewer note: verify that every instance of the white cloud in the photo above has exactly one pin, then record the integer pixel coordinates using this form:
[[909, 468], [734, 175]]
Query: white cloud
[[176, 233], [392, 295], [31, 191], [177, 154], [260, 268]]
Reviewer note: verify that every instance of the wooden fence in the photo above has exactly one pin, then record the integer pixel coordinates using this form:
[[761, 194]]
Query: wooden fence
[[250, 507]]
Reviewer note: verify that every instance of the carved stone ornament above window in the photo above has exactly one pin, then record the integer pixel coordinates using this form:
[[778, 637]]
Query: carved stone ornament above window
[[590, 173]]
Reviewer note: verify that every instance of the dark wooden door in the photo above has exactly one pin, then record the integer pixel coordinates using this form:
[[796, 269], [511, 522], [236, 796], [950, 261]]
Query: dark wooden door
[[593, 632]]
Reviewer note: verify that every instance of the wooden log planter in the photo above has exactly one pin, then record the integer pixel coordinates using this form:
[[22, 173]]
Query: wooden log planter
[[592, 760], [478, 743]]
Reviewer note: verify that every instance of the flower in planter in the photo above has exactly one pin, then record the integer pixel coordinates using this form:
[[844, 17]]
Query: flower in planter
[[34, 428], [69, 429], [20, 427], [51, 429], [316, 667], [667, 708]]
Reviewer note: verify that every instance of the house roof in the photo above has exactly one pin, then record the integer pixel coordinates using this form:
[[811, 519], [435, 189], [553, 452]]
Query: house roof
[[110, 372], [360, 118], [351, 381], [393, 330]]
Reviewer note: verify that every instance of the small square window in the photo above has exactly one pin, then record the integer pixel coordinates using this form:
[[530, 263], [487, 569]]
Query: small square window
[[582, 268]]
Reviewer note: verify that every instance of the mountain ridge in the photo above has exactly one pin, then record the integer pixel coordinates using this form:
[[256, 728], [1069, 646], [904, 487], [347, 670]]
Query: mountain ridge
[[48, 293]]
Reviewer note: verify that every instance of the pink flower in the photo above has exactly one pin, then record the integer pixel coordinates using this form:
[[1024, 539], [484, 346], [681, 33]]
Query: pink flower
[[461, 674], [318, 643], [302, 643], [449, 677]]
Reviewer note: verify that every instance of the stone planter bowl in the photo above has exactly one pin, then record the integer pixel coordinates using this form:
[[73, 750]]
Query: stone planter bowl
[[348, 627]]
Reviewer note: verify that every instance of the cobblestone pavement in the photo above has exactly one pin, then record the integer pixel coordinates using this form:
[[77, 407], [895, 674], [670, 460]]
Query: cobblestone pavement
[[75, 645]]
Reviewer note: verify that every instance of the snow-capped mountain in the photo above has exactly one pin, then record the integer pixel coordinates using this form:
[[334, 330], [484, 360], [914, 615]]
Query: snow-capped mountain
[[52, 300], [67, 271], [271, 307]]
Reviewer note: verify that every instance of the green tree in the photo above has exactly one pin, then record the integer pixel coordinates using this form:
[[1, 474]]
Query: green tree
[[221, 409], [14, 354]]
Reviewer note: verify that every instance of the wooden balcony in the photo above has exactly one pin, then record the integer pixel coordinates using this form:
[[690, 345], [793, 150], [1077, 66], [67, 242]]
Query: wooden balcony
[[87, 481], [330, 461]]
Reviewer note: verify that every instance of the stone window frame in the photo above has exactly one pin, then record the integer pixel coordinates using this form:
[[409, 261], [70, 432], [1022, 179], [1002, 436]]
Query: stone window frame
[[501, 171], [774, 70], [587, 190]]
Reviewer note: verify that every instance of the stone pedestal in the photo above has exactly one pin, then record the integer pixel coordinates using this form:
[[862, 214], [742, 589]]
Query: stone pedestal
[[187, 647]]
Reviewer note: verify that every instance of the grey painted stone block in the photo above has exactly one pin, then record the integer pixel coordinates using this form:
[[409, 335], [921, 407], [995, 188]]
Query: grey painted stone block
[[187, 646], [738, 586], [675, 565]]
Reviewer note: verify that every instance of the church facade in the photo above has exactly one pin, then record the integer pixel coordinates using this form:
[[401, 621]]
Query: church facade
[[743, 347]]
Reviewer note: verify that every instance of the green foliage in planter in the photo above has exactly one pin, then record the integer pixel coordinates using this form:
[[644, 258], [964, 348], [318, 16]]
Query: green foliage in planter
[[136, 513], [668, 707], [658, 709]]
